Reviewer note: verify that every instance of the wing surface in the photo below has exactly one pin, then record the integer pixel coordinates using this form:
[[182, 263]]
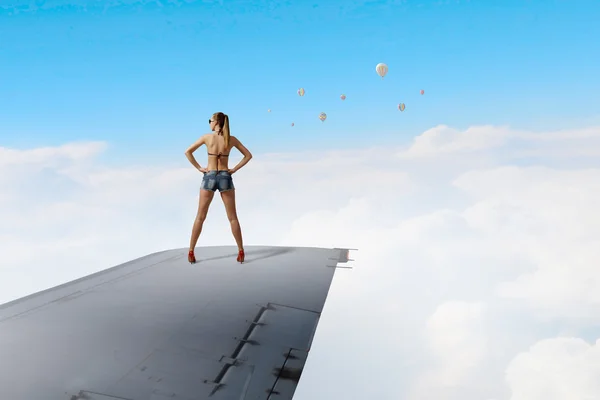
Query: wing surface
[[158, 328]]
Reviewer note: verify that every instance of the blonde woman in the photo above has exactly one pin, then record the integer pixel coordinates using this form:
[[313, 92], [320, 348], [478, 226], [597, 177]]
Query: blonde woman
[[217, 175]]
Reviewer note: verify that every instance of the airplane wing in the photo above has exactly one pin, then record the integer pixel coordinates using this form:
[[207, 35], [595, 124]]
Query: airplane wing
[[159, 328]]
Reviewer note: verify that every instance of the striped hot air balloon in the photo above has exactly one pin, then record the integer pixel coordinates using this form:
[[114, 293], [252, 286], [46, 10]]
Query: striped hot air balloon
[[322, 116], [301, 92], [401, 106], [381, 69], [343, 97]]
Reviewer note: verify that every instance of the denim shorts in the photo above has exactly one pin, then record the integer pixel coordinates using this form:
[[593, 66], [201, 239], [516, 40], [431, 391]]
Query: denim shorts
[[214, 180]]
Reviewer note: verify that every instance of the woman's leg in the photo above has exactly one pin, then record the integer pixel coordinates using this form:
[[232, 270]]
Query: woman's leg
[[228, 197], [206, 197]]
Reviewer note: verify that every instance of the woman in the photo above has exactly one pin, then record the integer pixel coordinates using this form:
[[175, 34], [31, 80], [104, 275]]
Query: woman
[[217, 175]]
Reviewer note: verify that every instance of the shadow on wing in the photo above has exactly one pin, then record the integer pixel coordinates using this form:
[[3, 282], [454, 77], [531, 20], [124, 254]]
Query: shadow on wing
[[254, 255]]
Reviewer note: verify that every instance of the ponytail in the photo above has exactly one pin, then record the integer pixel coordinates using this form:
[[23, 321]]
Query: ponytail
[[223, 122], [225, 129]]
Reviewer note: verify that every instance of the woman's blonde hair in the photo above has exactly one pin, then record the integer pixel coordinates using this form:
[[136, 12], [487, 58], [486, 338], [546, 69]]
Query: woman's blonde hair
[[223, 121]]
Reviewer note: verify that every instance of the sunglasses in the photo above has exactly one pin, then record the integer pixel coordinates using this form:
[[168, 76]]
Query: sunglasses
[[209, 121]]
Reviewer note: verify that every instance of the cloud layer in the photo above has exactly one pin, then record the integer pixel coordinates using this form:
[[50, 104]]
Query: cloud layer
[[476, 276]]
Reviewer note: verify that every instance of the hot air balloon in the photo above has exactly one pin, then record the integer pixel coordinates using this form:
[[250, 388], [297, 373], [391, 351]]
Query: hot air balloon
[[381, 69], [422, 91], [292, 124], [343, 97], [401, 106], [301, 92], [269, 110], [322, 116]]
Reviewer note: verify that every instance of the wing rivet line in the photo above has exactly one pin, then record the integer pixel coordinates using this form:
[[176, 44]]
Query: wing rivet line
[[241, 343]]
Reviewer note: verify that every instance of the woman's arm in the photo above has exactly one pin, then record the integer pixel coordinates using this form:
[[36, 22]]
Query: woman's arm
[[247, 155], [190, 156]]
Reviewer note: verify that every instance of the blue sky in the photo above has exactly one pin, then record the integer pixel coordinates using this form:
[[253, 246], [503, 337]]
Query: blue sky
[[146, 75]]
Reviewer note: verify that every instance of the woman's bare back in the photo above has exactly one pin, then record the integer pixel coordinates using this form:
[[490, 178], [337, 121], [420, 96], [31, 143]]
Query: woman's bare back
[[218, 153]]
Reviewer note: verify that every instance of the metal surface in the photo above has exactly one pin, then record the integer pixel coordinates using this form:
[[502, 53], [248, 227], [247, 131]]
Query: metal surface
[[160, 328]]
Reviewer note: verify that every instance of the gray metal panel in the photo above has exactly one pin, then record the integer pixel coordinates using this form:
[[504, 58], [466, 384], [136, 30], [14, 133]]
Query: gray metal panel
[[289, 375], [160, 328]]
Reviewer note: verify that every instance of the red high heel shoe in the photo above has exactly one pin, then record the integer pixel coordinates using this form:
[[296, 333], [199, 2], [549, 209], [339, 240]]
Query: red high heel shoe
[[240, 257], [191, 257]]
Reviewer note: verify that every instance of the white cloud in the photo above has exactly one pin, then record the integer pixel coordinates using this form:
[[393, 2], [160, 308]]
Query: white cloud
[[50, 156], [443, 140], [457, 339], [456, 347], [556, 369], [552, 213], [460, 220]]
